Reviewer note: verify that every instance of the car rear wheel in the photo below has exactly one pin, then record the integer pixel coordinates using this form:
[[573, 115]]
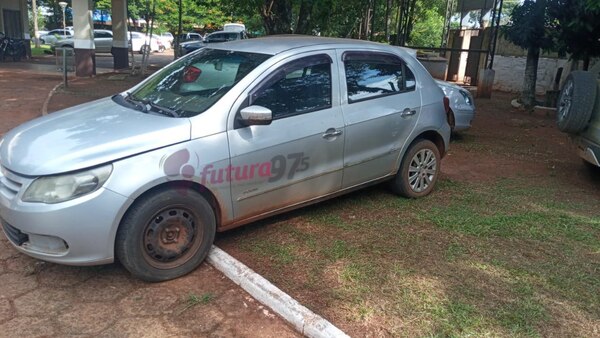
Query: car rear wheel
[[576, 102], [166, 235], [419, 170], [145, 49]]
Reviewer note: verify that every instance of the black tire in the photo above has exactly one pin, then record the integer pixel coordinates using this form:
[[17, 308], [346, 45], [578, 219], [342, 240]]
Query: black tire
[[166, 234], [145, 49], [418, 171], [576, 102], [451, 120], [161, 49]]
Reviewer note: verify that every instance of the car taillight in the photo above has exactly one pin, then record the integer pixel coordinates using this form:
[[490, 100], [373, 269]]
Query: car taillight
[[191, 74], [446, 104]]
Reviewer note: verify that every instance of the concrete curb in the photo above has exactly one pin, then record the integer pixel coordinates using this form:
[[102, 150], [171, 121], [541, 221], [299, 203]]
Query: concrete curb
[[47, 101], [305, 321]]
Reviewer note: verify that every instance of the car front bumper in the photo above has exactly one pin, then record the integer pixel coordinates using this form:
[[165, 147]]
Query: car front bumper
[[76, 232]]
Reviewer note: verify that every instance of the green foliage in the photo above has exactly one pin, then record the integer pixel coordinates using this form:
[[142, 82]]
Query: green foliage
[[427, 30], [41, 20], [530, 26], [578, 27]]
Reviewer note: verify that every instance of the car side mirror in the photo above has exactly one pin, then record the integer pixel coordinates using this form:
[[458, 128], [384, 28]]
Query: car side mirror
[[256, 115]]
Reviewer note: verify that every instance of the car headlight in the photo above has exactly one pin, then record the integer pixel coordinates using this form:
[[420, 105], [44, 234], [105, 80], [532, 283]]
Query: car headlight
[[61, 188], [467, 97]]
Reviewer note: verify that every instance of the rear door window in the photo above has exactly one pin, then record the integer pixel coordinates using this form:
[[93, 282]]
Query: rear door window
[[372, 75]]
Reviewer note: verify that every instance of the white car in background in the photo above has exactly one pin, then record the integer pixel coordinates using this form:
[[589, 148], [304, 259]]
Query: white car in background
[[141, 41], [167, 39], [103, 40], [55, 35]]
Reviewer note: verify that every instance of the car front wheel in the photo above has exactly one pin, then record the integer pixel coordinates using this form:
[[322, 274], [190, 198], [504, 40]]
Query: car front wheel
[[166, 235], [419, 170]]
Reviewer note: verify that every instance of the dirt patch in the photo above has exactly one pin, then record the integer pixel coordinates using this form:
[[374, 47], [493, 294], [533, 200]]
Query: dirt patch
[[22, 97]]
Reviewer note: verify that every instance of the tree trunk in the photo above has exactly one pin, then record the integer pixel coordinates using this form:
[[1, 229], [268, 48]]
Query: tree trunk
[[373, 18], [304, 14], [410, 21], [35, 23], [277, 16], [530, 79], [388, 6], [586, 61]]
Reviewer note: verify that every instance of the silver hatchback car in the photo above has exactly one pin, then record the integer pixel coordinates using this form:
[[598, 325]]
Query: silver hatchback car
[[227, 135]]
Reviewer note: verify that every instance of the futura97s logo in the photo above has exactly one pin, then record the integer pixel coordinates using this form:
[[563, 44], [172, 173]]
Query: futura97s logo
[[279, 167]]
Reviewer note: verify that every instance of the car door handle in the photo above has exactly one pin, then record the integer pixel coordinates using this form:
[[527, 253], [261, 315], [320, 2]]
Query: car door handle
[[331, 132], [408, 112]]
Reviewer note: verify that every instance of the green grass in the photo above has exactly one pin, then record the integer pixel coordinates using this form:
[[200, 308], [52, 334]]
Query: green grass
[[280, 254], [42, 50], [467, 261], [193, 300]]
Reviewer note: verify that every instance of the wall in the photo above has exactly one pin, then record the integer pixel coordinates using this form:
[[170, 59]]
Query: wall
[[510, 71], [16, 5]]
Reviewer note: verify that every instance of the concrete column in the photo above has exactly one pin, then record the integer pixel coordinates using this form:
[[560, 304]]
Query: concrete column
[[85, 57], [462, 63], [485, 83], [120, 45]]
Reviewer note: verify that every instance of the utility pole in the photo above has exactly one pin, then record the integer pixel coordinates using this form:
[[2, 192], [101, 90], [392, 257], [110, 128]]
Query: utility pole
[[178, 37]]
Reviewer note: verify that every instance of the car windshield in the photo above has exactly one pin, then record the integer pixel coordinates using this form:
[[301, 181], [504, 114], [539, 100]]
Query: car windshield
[[193, 84]]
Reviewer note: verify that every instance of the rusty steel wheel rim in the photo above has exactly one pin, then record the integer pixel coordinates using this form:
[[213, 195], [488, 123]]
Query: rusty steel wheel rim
[[171, 237]]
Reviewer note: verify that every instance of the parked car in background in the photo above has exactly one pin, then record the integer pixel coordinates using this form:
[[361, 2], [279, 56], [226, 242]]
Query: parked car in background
[[462, 105], [41, 33], [55, 35], [223, 36], [234, 27], [140, 42], [190, 46], [231, 134], [190, 36], [167, 39], [578, 113], [103, 40]]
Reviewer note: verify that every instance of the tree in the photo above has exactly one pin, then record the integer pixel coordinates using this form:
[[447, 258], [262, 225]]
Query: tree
[[427, 23], [578, 28], [529, 29], [427, 31]]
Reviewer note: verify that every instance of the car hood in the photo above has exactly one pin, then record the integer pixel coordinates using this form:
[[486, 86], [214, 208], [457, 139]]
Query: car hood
[[87, 135]]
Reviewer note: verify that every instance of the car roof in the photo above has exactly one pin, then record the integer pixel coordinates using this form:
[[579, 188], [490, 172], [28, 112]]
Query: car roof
[[276, 44], [225, 32]]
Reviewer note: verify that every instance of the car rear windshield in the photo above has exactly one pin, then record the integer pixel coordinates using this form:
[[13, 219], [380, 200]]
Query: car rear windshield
[[193, 84]]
